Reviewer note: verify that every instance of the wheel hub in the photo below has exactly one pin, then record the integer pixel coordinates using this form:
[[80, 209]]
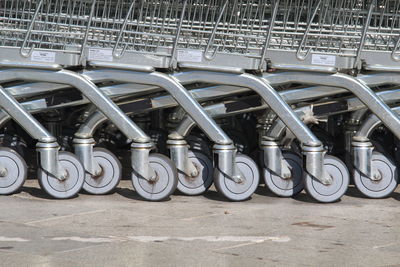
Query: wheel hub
[[287, 175], [238, 179], [154, 179], [64, 176], [377, 177], [97, 175], [3, 173], [195, 173]]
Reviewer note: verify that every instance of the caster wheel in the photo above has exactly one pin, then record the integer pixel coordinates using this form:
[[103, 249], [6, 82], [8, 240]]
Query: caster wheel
[[197, 185], [16, 171], [333, 192], [238, 191], [110, 176], [68, 187], [165, 184], [383, 187], [287, 187]]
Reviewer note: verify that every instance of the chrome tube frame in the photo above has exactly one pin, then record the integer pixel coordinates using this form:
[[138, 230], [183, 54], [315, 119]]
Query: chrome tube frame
[[312, 147], [131, 74], [359, 88], [49, 157], [47, 145]]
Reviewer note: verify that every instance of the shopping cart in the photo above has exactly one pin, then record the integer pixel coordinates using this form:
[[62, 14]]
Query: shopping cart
[[41, 34], [147, 46]]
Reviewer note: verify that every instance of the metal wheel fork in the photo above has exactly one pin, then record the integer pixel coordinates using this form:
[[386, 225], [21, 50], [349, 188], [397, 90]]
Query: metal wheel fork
[[177, 138], [271, 145], [179, 147], [176, 142], [84, 143], [179, 150]]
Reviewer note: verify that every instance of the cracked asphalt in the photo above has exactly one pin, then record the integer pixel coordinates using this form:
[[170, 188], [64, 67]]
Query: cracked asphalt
[[122, 230]]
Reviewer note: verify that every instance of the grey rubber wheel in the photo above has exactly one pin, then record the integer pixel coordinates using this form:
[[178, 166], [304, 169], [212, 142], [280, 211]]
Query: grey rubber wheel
[[16, 169], [110, 176], [333, 192], [383, 187], [197, 185], [165, 184], [238, 191], [286, 187], [69, 187]]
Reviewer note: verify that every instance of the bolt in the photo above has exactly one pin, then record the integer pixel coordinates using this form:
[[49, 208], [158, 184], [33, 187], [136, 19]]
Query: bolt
[[3, 172], [64, 176], [98, 173], [329, 180], [154, 178], [377, 176], [194, 173]]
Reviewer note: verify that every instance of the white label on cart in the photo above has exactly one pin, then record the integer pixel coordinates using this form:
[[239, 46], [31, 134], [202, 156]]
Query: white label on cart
[[100, 54], [43, 56], [190, 55], [325, 60]]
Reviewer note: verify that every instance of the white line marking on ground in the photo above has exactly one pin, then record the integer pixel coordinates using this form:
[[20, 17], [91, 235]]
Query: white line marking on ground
[[384, 246], [12, 239], [111, 239], [251, 239], [85, 239]]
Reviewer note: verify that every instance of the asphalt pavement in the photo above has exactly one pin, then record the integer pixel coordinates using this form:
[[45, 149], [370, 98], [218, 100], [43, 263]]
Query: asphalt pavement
[[120, 229]]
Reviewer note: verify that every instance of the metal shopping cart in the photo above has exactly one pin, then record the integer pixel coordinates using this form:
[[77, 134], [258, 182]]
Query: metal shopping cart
[[317, 51]]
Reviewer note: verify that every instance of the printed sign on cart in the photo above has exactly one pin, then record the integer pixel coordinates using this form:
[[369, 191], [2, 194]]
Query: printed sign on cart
[[43, 56], [99, 54], [189, 55], [325, 60]]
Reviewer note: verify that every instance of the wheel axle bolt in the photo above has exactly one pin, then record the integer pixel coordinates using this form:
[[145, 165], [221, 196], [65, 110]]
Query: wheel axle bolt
[[377, 177], [3, 173], [153, 179], [98, 173]]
